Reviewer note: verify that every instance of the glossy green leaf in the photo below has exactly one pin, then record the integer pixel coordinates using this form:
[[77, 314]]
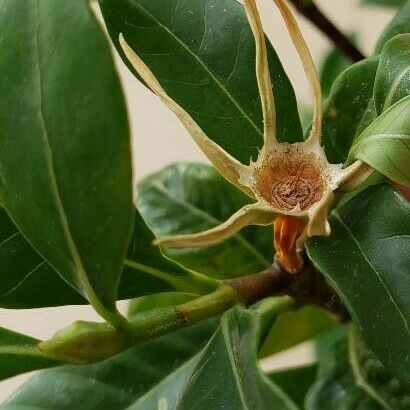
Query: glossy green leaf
[[333, 64], [374, 378], [348, 109], [25, 275], [125, 380], [193, 197], [166, 373], [19, 354], [295, 381], [336, 386], [294, 327], [26, 279], [64, 143], [202, 52], [385, 143], [227, 375], [399, 25], [367, 259], [393, 73]]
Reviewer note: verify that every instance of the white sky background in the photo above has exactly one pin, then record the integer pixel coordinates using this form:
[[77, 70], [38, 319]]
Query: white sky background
[[153, 125]]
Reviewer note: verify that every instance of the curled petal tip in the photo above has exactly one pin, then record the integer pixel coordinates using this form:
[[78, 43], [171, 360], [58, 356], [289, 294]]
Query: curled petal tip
[[308, 66], [263, 75]]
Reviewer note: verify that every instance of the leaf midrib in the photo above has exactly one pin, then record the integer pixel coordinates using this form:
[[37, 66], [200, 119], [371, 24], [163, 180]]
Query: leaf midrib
[[146, 396], [238, 382], [392, 91], [202, 64], [48, 156], [373, 269]]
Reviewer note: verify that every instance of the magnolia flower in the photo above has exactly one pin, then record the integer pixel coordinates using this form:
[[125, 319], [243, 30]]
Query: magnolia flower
[[292, 184]]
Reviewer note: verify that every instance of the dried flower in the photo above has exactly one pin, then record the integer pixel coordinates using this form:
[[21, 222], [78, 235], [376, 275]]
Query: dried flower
[[286, 179]]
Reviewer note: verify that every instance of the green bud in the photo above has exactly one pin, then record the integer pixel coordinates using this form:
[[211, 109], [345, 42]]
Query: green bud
[[86, 342]]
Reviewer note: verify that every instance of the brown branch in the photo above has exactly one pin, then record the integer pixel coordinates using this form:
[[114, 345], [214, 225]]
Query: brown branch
[[321, 21], [308, 287], [88, 342]]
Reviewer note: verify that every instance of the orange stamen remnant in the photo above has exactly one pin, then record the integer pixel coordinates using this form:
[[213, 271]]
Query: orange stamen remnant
[[287, 229]]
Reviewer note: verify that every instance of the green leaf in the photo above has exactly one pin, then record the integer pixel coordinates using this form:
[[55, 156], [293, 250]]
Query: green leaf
[[366, 260], [348, 109], [393, 74], [170, 372], [374, 378], [336, 386], [226, 374], [185, 198], [294, 327], [25, 275], [203, 54], [144, 257], [295, 381], [64, 143], [399, 25], [385, 143], [390, 3], [129, 379], [333, 64], [19, 354]]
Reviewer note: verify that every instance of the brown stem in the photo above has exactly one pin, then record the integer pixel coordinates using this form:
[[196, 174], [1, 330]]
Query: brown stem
[[272, 281], [309, 9], [307, 287]]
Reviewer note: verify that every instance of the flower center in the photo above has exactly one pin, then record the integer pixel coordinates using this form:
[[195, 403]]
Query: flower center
[[290, 180]]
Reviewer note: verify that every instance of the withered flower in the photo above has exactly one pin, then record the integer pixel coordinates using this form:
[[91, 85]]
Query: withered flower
[[293, 183]]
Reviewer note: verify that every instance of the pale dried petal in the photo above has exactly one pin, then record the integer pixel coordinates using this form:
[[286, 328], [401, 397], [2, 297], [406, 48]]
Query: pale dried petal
[[308, 65], [254, 214], [263, 75], [227, 166], [354, 175], [318, 225]]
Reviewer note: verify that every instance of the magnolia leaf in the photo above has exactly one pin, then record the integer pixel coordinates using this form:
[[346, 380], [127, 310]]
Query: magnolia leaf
[[399, 25], [366, 260], [336, 386], [20, 354], [348, 109], [374, 378], [120, 382], [385, 143], [171, 372], [64, 143], [186, 198], [227, 373], [333, 64], [25, 275], [203, 54], [393, 73]]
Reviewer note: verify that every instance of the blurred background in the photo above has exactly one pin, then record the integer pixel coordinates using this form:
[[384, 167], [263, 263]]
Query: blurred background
[[159, 139]]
